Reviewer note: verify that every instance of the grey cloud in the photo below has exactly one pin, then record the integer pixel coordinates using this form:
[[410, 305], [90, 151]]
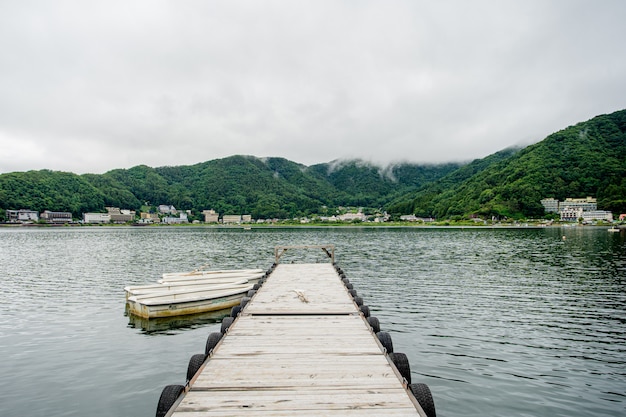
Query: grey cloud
[[172, 83]]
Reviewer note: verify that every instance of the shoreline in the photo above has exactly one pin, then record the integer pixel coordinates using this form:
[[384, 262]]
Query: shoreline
[[248, 227]]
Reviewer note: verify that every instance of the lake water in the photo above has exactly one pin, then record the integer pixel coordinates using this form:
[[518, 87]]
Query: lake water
[[498, 322]]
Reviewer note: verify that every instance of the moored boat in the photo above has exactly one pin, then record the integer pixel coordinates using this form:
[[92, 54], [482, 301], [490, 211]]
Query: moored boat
[[190, 283], [187, 301], [209, 273], [192, 292]]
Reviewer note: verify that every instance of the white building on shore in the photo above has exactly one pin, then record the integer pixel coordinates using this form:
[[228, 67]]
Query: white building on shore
[[573, 209]]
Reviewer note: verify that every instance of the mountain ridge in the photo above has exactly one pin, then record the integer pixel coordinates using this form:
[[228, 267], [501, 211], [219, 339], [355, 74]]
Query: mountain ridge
[[588, 158]]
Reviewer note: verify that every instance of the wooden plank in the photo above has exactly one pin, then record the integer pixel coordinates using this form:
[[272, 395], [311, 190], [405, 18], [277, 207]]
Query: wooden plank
[[297, 370], [377, 412], [323, 402], [276, 335]]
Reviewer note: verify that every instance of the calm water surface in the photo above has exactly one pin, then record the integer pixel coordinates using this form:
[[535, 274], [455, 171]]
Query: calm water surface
[[498, 322]]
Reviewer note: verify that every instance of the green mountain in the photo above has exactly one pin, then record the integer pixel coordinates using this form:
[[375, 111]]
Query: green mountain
[[49, 190], [588, 159], [263, 187]]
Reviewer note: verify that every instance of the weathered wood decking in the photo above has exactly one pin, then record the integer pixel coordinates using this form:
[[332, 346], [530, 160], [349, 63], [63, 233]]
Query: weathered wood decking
[[300, 347]]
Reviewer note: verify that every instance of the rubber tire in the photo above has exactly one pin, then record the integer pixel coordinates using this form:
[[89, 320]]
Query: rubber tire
[[402, 364], [358, 301], [374, 323], [256, 286], [234, 312], [244, 301], [212, 341], [385, 339], [226, 322], [345, 281], [168, 397], [195, 362], [251, 293], [352, 293], [349, 286], [365, 310], [422, 394]]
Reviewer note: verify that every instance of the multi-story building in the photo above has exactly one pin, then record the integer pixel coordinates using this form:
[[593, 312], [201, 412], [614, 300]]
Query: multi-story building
[[56, 216], [96, 218], [551, 205], [120, 216], [19, 216], [210, 216], [231, 218], [573, 209], [597, 215], [587, 204], [571, 214]]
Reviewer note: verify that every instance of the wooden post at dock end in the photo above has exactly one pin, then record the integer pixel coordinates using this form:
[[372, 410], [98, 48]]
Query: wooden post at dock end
[[329, 250]]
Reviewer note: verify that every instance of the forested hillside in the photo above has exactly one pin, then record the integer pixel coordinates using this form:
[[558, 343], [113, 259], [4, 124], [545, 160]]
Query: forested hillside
[[263, 187], [588, 159]]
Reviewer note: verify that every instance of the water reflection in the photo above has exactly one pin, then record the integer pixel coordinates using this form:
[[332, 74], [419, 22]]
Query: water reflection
[[167, 324]]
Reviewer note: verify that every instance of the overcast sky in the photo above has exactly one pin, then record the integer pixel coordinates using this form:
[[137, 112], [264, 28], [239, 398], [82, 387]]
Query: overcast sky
[[90, 86]]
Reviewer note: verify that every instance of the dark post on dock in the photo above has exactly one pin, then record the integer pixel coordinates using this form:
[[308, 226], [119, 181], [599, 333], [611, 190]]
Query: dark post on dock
[[301, 343]]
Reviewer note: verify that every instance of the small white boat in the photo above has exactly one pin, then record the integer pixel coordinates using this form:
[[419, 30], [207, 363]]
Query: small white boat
[[229, 275], [142, 290], [613, 229], [190, 282], [202, 273], [187, 301], [192, 292]]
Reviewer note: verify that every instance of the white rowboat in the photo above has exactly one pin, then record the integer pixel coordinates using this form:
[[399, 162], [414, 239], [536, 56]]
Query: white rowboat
[[191, 283], [201, 273], [190, 292], [186, 302]]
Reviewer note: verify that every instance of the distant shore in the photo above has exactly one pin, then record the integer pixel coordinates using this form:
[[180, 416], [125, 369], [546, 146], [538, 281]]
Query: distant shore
[[438, 225]]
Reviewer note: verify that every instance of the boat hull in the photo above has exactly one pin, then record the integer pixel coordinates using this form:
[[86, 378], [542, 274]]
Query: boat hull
[[171, 309]]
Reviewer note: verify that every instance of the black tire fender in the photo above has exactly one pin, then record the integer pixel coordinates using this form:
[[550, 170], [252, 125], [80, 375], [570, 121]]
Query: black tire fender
[[168, 397], [365, 310], [211, 342], [385, 339], [195, 362], [422, 394], [401, 363], [374, 323], [226, 322], [234, 312]]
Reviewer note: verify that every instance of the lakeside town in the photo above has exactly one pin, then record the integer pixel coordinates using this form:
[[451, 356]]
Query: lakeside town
[[572, 210]]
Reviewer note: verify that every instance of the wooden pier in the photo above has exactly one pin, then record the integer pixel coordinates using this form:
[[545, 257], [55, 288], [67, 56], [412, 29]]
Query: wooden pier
[[300, 346]]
